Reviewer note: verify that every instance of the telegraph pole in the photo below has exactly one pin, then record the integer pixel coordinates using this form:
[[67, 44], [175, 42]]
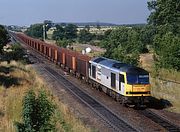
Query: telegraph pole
[[44, 32]]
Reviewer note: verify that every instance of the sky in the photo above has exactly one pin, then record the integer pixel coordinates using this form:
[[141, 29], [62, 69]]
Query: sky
[[27, 12]]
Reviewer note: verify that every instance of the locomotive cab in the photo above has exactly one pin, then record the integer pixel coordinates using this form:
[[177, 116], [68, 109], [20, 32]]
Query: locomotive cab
[[137, 85]]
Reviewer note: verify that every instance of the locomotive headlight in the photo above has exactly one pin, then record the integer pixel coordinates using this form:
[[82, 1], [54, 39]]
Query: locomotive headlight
[[128, 92]]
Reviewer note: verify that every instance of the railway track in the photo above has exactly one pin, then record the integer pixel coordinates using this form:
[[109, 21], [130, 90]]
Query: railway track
[[109, 117], [159, 120]]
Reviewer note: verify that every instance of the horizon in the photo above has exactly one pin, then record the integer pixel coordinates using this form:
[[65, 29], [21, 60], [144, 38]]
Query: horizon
[[114, 24], [26, 13]]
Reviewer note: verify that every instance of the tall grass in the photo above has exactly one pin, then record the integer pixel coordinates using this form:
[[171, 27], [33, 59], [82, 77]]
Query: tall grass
[[163, 84], [169, 75], [169, 91], [11, 100]]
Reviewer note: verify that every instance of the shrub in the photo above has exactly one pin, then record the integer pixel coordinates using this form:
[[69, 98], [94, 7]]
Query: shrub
[[37, 113]]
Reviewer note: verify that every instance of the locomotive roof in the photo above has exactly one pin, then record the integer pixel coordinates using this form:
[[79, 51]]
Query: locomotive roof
[[117, 65]]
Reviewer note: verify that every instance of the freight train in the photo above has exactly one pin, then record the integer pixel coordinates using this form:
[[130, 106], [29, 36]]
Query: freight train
[[125, 83]]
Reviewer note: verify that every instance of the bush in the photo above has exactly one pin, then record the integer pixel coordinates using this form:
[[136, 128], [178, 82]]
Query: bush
[[64, 42], [17, 53], [37, 113]]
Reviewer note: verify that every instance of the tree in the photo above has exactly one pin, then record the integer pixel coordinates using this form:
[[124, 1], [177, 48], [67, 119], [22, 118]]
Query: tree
[[165, 13], [107, 32], [59, 33], [85, 36], [120, 54], [123, 44], [147, 34], [167, 49], [17, 53], [64, 42], [35, 31], [165, 18], [37, 113], [70, 31], [4, 37]]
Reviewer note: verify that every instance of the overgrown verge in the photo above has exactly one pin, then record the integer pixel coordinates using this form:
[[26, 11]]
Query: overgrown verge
[[16, 80], [165, 85], [168, 92]]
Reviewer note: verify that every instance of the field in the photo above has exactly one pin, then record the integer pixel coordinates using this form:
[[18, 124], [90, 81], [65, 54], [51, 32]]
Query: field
[[15, 80]]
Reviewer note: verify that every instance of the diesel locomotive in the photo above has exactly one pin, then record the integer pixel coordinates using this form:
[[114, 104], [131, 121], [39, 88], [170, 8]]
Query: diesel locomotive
[[125, 83]]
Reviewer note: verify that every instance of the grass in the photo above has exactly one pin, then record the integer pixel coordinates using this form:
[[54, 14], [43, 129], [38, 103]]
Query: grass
[[162, 82], [171, 75], [11, 97], [167, 91], [166, 85]]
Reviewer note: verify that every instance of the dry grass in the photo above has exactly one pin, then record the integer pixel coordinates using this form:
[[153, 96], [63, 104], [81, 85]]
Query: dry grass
[[11, 99], [166, 85], [11, 96], [147, 61], [168, 91], [169, 75]]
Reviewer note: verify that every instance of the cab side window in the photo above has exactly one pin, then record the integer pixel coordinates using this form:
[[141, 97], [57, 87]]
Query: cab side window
[[113, 80], [121, 80], [93, 71], [90, 71]]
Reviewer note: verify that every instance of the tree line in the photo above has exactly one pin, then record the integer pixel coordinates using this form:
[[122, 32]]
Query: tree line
[[65, 34], [165, 17]]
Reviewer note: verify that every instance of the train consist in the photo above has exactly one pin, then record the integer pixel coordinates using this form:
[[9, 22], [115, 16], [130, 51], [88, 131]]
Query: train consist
[[125, 83]]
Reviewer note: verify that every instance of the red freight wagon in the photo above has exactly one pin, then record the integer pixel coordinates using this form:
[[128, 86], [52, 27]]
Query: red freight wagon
[[52, 53], [71, 60], [62, 56], [56, 55], [47, 51], [38, 47], [35, 45], [42, 49], [83, 65], [30, 42]]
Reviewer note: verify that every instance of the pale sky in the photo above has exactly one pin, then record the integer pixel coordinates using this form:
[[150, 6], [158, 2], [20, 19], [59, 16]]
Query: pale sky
[[26, 12]]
